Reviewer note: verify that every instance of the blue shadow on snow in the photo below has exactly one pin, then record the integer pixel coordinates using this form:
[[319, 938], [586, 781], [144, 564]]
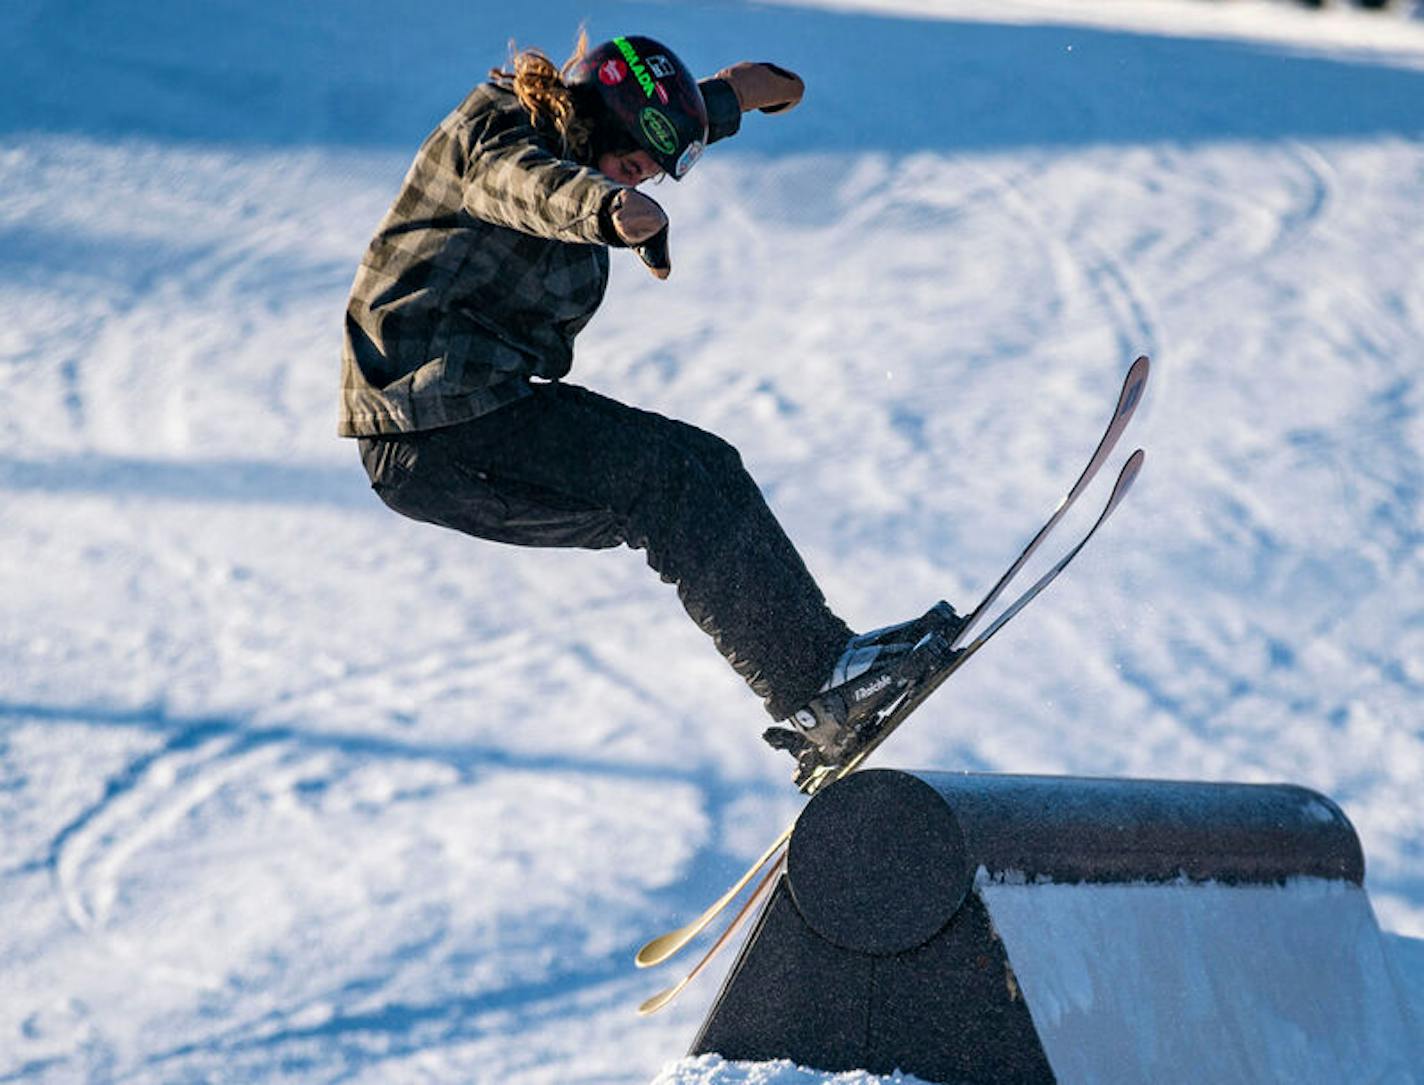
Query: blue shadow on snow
[[217, 481], [359, 74]]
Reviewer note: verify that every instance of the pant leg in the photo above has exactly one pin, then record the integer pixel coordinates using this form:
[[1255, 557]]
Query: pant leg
[[567, 467]]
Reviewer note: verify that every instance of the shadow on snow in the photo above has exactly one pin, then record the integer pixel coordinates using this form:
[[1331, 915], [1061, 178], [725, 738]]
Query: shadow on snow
[[355, 75], [207, 481]]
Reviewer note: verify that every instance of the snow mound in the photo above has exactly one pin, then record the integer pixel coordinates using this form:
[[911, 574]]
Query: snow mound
[[712, 1070]]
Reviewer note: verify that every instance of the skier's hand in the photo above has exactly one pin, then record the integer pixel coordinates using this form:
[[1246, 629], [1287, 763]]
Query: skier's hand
[[654, 253], [764, 86], [635, 216], [643, 226]]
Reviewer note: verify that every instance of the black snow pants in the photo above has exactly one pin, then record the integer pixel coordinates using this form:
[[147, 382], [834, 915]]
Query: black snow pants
[[567, 467]]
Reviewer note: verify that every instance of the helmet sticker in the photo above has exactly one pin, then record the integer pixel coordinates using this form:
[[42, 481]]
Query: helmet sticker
[[661, 67], [688, 158], [635, 64], [660, 131], [612, 71]]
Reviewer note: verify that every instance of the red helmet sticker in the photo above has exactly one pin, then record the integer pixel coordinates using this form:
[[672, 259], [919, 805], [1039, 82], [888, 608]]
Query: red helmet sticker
[[612, 72], [662, 92]]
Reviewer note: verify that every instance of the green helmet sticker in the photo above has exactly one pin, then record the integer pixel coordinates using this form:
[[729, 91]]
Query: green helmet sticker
[[660, 131], [636, 66]]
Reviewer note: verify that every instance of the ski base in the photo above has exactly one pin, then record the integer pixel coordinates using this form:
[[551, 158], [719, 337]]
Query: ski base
[[881, 728]]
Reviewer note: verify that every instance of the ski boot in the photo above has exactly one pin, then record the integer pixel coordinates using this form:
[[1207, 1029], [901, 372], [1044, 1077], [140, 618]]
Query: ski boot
[[874, 675]]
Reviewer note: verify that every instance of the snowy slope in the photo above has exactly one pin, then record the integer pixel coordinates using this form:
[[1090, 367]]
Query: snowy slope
[[295, 790]]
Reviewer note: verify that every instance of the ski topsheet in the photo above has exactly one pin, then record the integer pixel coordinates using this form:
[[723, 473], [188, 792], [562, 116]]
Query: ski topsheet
[[667, 945]]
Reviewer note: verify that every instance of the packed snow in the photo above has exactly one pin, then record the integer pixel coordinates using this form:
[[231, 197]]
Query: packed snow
[[294, 790], [1132, 983], [714, 1070]]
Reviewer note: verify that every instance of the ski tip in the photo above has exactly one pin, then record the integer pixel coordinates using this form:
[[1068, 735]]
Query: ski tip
[[1128, 474], [1132, 388], [658, 1001], [660, 949]]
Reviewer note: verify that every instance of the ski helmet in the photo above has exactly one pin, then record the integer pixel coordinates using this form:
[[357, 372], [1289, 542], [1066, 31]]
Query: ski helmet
[[649, 95]]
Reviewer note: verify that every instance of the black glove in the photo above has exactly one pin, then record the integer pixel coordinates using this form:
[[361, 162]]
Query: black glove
[[654, 253]]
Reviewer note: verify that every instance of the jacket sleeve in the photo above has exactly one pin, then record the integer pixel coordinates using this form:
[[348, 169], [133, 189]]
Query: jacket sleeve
[[512, 179], [724, 112]]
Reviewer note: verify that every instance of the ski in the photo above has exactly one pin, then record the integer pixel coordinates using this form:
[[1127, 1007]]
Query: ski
[[1133, 385], [776, 854], [884, 727], [662, 998], [666, 945], [1134, 382]]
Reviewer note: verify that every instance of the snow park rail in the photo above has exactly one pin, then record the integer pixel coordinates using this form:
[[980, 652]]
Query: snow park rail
[[1018, 929]]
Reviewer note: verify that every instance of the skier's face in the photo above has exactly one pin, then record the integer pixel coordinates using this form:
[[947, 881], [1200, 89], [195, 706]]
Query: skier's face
[[628, 167]]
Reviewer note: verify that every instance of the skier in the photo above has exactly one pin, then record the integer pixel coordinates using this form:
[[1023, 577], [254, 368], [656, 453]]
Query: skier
[[460, 328]]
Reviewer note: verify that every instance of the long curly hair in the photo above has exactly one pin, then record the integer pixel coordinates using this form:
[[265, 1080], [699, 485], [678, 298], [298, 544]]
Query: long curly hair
[[541, 89]]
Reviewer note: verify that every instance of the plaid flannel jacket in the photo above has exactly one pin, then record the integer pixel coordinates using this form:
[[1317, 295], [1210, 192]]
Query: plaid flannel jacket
[[488, 264]]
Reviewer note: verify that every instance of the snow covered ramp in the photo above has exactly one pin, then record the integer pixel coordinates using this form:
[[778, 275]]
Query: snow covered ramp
[[976, 928]]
